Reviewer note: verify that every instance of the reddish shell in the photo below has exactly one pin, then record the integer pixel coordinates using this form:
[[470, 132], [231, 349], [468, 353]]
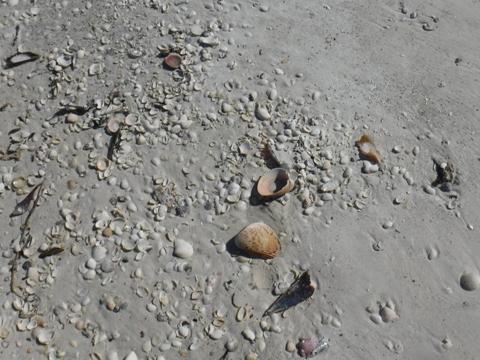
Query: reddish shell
[[173, 60], [276, 182], [260, 240], [306, 346], [368, 149]]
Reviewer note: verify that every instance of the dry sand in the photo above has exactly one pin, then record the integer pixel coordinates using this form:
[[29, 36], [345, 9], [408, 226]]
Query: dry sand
[[392, 248]]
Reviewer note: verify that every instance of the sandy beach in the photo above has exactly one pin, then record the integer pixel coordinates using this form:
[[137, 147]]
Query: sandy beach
[[239, 180]]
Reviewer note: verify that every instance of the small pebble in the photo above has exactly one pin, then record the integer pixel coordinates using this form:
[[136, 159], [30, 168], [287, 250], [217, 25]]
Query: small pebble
[[183, 249]]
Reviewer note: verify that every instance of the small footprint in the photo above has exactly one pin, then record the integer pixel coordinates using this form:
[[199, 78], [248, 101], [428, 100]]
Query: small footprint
[[384, 312], [432, 252], [394, 346]]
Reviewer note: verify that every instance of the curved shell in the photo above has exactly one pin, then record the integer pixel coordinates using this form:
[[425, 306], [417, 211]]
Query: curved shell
[[173, 60], [259, 240], [276, 182], [368, 149], [113, 125], [102, 164]]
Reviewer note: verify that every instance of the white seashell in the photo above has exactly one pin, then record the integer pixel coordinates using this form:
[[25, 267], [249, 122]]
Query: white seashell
[[388, 315], [99, 253], [262, 114], [112, 355], [329, 186], [258, 239], [249, 334], [89, 275], [183, 249], [276, 182], [131, 356], [102, 164], [45, 336], [95, 69], [211, 40], [32, 325], [91, 264], [22, 324], [244, 148], [128, 245], [64, 61]]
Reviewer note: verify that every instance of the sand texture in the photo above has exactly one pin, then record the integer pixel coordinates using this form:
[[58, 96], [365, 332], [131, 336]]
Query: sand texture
[[137, 136]]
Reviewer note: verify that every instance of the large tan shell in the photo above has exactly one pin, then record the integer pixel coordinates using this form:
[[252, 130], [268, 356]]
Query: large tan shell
[[276, 182], [259, 240]]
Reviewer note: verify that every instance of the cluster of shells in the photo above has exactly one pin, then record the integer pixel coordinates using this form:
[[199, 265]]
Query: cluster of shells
[[120, 219]]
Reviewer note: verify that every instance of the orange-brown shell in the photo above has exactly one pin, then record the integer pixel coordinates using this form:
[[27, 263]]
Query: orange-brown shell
[[276, 182], [259, 240], [368, 149]]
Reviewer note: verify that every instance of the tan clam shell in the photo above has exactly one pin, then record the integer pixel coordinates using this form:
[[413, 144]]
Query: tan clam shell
[[258, 239], [276, 182], [102, 164]]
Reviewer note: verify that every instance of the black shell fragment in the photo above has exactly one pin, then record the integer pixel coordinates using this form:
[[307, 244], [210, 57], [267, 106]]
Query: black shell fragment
[[299, 291]]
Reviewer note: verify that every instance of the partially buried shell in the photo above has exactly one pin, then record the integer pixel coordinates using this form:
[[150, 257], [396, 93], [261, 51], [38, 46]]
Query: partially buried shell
[[259, 240], [102, 164], [368, 149], [173, 60], [276, 182]]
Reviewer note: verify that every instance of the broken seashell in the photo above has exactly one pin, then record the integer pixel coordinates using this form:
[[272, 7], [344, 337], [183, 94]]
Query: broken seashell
[[45, 336], [308, 348], [276, 182], [102, 164], [299, 291], [173, 60], [258, 239], [368, 149], [20, 58]]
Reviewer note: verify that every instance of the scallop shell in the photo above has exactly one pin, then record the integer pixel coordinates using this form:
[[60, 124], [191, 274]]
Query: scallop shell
[[276, 182], [368, 149], [259, 240], [173, 60]]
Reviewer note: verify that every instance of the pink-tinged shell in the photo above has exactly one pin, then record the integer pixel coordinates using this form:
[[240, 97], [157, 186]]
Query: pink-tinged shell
[[173, 60], [276, 182], [259, 240], [368, 149], [113, 125], [306, 346], [131, 119]]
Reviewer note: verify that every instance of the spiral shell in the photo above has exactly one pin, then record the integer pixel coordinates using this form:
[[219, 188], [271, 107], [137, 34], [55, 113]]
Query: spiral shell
[[276, 182], [259, 240]]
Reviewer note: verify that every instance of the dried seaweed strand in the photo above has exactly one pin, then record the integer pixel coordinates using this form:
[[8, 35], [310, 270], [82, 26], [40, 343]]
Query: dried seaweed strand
[[24, 240]]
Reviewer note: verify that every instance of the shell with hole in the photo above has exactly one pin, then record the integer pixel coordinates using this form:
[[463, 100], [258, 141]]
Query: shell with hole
[[276, 182], [259, 240]]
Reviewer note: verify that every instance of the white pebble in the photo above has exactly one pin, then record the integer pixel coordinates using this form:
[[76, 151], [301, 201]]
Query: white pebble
[[131, 356], [262, 114], [183, 249]]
